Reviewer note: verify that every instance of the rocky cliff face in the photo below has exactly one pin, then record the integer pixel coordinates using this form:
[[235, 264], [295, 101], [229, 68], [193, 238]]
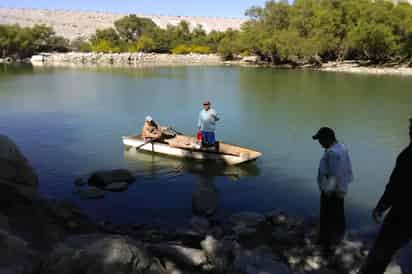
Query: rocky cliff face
[[72, 24]]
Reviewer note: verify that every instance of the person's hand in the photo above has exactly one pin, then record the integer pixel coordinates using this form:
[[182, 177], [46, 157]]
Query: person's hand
[[377, 216]]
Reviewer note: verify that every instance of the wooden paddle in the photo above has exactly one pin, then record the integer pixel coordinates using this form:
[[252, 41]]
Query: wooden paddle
[[175, 131], [148, 142]]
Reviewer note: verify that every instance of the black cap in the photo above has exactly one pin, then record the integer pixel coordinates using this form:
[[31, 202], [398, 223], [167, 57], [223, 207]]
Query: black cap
[[324, 132]]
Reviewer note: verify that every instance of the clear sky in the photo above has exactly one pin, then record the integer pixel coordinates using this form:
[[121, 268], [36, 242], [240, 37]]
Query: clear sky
[[225, 8]]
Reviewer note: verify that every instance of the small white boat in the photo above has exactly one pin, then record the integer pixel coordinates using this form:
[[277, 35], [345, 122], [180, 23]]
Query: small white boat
[[186, 147]]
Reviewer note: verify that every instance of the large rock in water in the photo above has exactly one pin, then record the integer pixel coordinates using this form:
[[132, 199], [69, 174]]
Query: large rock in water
[[247, 219], [205, 200], [104, 256], [105, 178], [14, 167]]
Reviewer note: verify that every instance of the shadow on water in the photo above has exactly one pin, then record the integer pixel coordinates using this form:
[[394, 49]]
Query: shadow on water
[[207, 174], [15, 69], [151, 164]]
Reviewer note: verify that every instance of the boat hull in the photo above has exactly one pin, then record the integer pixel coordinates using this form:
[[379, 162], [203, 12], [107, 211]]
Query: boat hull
[[166, 149]]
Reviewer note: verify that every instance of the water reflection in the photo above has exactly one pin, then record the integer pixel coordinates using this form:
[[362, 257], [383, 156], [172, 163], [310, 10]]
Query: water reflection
[[206, 195], [15, 69], [205, 200], [150, 164]]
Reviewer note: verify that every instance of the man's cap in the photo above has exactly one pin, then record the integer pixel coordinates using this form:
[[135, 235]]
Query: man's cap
[[148, 118], [205, 103], [324, 132]]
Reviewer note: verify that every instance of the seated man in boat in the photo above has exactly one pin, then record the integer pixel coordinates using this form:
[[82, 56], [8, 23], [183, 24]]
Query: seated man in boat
[[207, 125], [151, 130]]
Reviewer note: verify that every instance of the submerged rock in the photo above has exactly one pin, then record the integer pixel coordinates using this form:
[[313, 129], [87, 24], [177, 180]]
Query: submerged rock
[[205, 201], [247, 219], [104, 178], [91, 193], [79, 182], [117, 187], [200, 224]]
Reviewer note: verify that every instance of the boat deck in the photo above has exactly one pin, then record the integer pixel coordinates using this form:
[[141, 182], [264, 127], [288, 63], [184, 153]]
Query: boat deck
[[189, 148]]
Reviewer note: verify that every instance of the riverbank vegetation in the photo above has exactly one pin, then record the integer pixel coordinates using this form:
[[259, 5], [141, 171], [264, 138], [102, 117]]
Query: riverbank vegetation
[[331, 30], [278, 32], [134, 34], [21, 42]]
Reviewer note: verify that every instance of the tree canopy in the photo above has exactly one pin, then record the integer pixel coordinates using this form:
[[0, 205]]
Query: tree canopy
[[278, 32], [22, 42]]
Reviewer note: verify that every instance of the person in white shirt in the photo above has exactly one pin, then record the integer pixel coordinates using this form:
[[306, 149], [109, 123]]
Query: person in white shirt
[[334, 176], [207, 124]]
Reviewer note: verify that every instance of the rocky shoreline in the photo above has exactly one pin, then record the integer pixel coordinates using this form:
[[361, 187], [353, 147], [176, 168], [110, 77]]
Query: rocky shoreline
[[75, 59], [360, 68], [349, 66], [54, 237], [123, 59]]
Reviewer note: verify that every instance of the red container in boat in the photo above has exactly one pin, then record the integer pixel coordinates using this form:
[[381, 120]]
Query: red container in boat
[[199, 136]]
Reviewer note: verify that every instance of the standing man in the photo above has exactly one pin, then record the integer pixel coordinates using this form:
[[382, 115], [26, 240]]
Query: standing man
[[207, 124], [396, 230], [334, 176]]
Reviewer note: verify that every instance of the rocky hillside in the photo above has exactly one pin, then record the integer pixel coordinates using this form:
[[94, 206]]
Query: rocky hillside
[[72, 24]]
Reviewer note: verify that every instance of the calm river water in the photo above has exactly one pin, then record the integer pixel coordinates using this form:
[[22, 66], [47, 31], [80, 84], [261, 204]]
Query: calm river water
[[69, 122]]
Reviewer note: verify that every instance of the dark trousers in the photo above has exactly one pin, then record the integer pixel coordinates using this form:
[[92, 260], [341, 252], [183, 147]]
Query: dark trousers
[[395, 233], [332, 220]]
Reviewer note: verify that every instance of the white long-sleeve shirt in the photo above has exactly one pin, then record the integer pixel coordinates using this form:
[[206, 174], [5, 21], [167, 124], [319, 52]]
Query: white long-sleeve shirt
[[336, 164], [207, 120]]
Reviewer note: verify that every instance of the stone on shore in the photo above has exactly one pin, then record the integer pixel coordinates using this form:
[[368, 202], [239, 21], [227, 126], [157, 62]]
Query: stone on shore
[[218, 253], [14, 167], [104, 178], [258, 261], [105, 256], [190, 257], [16, 257]]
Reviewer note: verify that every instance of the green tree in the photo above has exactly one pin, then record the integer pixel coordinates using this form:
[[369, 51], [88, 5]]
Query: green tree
[[131, 27], [144, 44], [403, 27], [229, 46], [182, 49], [213, 39], [373, 41], [105, 46], [23, 42], [41, 36], [198, 36], [79, 44], [108, 34]]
